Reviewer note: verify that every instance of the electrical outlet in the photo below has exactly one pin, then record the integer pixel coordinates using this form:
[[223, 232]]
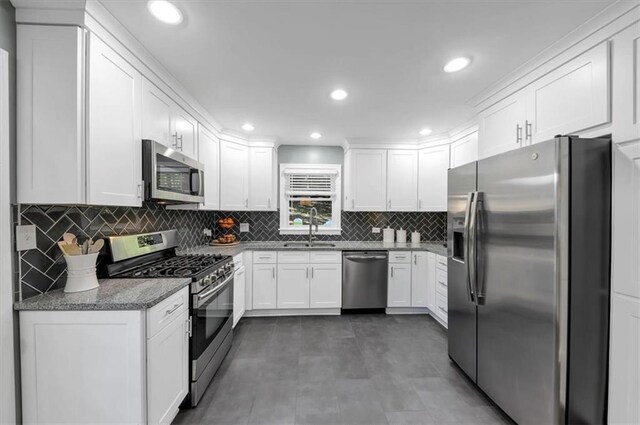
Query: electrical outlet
[[375, 230], [244, 227], [25, 237], [207, 232]]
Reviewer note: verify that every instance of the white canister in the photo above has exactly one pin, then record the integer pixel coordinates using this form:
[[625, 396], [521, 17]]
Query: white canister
[[387, 235], [81, 272], [415, 237], [401, 236]]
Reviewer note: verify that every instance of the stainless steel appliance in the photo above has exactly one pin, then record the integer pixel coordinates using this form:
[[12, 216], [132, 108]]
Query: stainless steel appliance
[[153, 255], [170, 176], [364, 279], [529, 254]]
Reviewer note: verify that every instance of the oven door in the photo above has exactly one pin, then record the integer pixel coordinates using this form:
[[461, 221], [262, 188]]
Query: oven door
[[212, 317], [171, 176]]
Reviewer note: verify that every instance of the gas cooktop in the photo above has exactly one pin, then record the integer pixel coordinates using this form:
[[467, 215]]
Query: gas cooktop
[[178, 266]]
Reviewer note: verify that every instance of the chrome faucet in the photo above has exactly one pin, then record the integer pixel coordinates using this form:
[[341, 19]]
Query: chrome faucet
[[312, 211]]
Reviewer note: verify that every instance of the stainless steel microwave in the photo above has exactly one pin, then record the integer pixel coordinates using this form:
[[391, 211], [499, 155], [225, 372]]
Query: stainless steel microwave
[[169, 176]]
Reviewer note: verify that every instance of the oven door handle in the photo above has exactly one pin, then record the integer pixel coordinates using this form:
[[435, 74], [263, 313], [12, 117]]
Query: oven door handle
[[212, 292]]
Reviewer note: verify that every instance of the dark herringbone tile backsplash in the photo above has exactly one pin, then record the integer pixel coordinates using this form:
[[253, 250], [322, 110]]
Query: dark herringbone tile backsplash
[[44, 269]]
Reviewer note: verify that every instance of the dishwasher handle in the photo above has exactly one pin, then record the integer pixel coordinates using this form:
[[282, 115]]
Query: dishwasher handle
[[365, 257]]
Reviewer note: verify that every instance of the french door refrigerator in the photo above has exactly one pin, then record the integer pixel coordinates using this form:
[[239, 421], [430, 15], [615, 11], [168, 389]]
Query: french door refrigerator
[[529, 263]]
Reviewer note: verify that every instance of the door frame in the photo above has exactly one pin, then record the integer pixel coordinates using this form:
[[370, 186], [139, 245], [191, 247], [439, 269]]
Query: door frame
[[7, 364]]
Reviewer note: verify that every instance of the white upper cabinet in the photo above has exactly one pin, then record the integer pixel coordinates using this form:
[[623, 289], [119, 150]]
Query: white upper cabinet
[[261, 179], [402, 180], [464, 150], [502, 126], [185, 131], [368, 180], [157, 115], [572, 98], [234, 176], [626, 85], [432, 178], [114, 152], [51, 70], [209, 155]]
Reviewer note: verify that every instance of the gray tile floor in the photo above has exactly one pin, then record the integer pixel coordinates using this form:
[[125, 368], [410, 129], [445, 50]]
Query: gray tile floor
[[341, 370]]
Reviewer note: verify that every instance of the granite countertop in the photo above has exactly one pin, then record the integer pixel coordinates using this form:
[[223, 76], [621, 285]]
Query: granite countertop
[[435, 247], [112, 294]]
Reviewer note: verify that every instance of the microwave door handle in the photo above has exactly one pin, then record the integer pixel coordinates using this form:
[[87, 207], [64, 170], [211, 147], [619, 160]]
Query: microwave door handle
[[195, 182]]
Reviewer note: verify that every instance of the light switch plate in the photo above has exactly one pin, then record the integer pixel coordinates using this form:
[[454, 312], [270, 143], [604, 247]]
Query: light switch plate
[[244, 227], [25, 237], [375, 230]]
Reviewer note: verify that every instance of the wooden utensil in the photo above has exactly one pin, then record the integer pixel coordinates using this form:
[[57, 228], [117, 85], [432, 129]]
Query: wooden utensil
[[97, 246], [69, 238], [69, 248]]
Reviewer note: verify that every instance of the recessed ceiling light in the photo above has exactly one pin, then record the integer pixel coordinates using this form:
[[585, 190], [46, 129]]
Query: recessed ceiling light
[[425, 131], [315, 135], [248, 127], [165, 11], [457, 64], [339, 94]]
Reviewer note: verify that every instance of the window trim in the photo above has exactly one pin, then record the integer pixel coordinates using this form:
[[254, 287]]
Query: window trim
[[336, 208]]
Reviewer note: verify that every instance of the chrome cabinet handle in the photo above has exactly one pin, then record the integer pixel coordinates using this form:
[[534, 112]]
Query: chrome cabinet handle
[[441, 308], [415, 259], [268, 202], [174, 136], [419, 204], [389, 203], [528, 130], [353, 204], [171, 310], [518, 134], [307, 272], [273, 272], [391, 271], [179, 138], [140, 191], [246, 202], [311, 272]]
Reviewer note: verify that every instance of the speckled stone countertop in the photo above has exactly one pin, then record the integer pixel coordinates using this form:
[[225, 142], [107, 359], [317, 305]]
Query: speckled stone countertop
[[112, 294], [435, 247]]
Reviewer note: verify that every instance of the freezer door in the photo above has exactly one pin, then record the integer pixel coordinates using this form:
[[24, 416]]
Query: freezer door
[[518, 289], [462, 308]]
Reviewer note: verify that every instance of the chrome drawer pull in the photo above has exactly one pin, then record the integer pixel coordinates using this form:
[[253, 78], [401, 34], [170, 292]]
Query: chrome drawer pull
[[171, 310]]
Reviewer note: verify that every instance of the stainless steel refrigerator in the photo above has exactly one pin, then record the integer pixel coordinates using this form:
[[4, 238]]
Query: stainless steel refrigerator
[[529, 264]]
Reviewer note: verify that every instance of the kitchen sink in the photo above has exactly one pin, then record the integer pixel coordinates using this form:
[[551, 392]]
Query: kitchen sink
[[309, 245]]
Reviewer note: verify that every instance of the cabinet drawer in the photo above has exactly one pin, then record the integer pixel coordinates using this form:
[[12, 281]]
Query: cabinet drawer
[[264, 257], [441, 281], [162, 314], [293, 257], [399, 256], [442, 308], [441, 262], [326, 257]]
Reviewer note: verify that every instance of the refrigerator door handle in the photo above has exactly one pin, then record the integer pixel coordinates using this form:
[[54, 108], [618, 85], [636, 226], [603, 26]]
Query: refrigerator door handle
[[475, 249], [467, 245]]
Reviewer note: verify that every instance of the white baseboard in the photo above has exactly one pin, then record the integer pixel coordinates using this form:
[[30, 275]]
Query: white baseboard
[[293, 312], [407, 310]]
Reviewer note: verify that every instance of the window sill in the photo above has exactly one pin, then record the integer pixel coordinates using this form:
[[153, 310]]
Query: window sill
[[305, 231]]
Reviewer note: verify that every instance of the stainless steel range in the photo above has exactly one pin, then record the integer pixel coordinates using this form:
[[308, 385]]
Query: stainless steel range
[[153, 255]]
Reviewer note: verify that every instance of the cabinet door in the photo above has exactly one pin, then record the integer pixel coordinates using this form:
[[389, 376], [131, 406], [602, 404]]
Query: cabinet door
[[239, 283], [234, 177], [368, 177], [465, 150], [186, 131], [502, 126], [572, 98], [156, 115], [431, 281], [50, 94], [264, 286], [624, 361], [209, 155], [167, 371], [402, 180], [114, 150], [261, 181], [626, 84], [419, 279], [399, 293], [432, 178], [325, 288], [293, 286]]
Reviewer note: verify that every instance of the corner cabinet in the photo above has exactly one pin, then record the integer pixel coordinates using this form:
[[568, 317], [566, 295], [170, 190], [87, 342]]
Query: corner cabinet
[[97, 99], [135, 364], [234, 176], [464, 150], [626, 84], [433, 166]]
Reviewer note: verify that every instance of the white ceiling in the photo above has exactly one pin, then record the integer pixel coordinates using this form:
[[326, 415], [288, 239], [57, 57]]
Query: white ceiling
[[274, 63]]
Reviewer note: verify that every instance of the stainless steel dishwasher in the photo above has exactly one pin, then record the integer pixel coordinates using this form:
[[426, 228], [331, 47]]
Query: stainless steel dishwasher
[[364, 279]]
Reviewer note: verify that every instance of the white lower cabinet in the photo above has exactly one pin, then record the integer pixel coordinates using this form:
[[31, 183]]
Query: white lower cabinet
[[239, 285], [264, 286], [325, 287], [399, 289], [120, 367], [419, 279], [293, 286], [431, 281]]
